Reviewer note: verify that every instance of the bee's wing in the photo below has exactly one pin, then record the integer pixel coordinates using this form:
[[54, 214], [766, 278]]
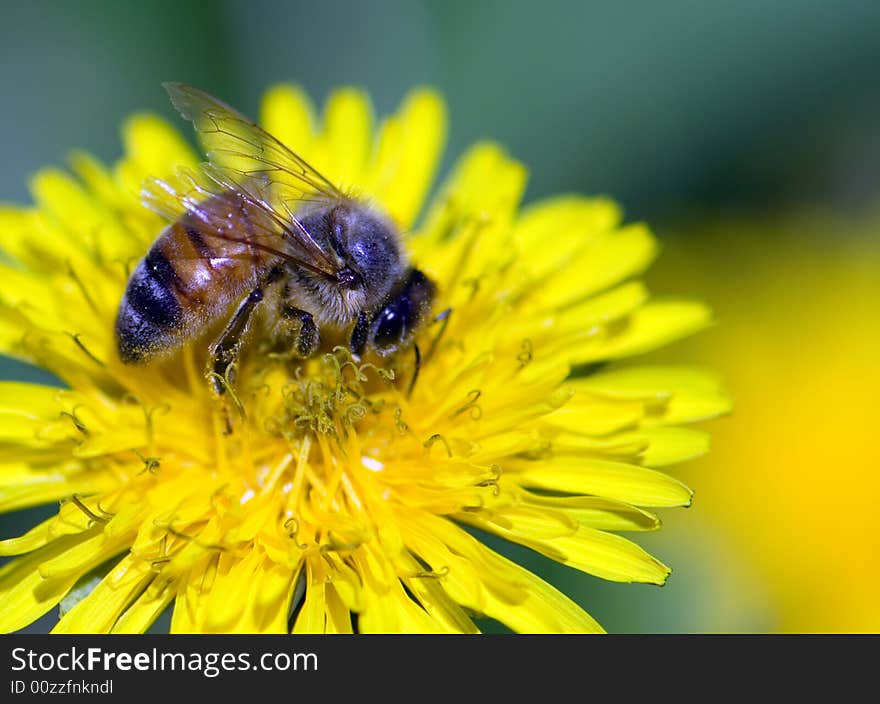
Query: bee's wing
[[244, 158], [206, 203], [232, 140], [174, 197]]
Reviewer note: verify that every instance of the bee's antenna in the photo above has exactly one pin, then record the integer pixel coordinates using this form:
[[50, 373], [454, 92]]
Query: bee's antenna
[[443, 319]]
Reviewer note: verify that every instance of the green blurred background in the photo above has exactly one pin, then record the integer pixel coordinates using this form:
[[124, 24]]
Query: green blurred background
[[746, 133]]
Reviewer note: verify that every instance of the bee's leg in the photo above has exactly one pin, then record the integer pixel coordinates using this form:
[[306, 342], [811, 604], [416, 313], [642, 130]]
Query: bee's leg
[[224, 352], [359, 335], [307, 339]]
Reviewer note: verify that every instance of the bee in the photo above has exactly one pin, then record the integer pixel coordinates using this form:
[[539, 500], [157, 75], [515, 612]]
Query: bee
[[258, 227]]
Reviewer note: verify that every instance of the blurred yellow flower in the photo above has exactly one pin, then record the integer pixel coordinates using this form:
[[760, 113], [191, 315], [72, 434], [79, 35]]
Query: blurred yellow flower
[[795, 472], [339, 502]]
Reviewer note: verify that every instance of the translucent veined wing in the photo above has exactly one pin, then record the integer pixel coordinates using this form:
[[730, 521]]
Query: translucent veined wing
[[245, 159], [231, 215], [236, 144]]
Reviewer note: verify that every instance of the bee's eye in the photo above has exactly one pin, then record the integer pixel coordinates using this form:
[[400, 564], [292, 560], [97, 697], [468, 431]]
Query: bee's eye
[[392, 324], [395, 322], [336, 232]]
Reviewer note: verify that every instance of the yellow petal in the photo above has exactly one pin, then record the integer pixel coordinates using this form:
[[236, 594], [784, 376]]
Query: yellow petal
[[672, 394], [99, 610], [672, 445], [269, 600], [490, 584], [543, 610], [655, 324], [25, 594], [597, 512], [141, 614], [22, 485], [428, 589], [570, 222], [348, 133], [114, 536], [393, 611], [119, 239], [598, 264], [188, 615], [287, 114], [592, 415], [31, 401], [249, 595], [322, 610], [153, 149], [409, 149], [467, 232], [19, 228], [68, 205], [36, 537], [601, 309], [96, 177], [29, 288], [593, 551], [614, 480]]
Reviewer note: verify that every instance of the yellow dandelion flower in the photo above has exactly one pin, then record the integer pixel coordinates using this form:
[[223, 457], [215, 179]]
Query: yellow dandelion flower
[[341, 496]]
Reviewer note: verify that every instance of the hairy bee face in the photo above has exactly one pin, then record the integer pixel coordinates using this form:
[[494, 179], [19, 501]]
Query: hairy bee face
[[368, 252]]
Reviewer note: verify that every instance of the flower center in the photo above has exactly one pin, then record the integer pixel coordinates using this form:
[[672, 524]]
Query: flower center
[[300, 445]]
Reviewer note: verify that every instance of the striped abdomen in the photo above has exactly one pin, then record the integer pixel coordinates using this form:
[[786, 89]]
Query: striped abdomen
[[189, 277]]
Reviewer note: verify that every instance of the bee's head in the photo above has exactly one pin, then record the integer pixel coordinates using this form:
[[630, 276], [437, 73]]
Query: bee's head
[[367, 250]]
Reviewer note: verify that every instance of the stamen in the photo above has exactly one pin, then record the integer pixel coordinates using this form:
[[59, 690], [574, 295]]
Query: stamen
[[77, 423], [525, 355], [473, 284], [437, 437], [475, 411], [78, 281], [93, 517], [354, 413], [386, 375], [148, 415], [151, 464], [79, 343], [169, 528], [291, 526], [331, 546], [493, 481], [156, 564], [265, 388], [402, 426], [347, 361], [106, 514]]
